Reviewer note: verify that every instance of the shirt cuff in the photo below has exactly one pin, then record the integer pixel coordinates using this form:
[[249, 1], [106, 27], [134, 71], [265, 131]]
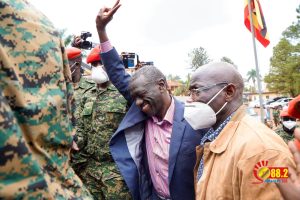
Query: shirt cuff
[[106, 46]]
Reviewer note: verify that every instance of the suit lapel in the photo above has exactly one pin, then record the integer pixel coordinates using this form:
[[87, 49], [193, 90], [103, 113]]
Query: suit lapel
[[177, 135], [132, 117]]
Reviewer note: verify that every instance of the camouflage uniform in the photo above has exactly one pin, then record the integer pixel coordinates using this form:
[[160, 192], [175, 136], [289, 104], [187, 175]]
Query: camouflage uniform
[[35, 106], [101, 113], [284, 135], [79, 89]]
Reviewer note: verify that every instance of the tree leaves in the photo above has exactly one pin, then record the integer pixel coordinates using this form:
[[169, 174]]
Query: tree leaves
[[198, 57], [284, 74]]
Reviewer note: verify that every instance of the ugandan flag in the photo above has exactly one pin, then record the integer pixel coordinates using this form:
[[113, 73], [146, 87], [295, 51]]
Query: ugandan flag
[[259, 23]]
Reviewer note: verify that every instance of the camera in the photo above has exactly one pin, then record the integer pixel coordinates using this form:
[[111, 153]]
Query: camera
[[129, 59], [86, 44]]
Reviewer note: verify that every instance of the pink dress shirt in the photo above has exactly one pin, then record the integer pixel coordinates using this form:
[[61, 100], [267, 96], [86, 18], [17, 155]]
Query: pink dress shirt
[[158, 137], [106, 46]]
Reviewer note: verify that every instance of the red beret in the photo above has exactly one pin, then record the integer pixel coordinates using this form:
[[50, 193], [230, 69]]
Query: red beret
[[94, 55], [294, 107], [73, 52], [284, 113]]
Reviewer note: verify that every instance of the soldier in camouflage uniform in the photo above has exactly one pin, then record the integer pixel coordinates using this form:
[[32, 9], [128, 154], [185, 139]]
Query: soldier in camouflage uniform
[[102, 109], [36, 99], [287, 127], [79, 83]]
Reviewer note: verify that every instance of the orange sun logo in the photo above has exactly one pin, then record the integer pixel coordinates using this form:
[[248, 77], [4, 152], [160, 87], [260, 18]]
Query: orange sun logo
[[261, 171]]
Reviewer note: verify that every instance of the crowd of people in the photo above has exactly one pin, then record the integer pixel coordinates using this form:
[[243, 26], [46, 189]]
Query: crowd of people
[[69, 133]]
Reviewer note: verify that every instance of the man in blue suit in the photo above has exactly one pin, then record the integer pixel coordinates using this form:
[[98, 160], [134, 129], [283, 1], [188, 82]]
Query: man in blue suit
[[154, 147]]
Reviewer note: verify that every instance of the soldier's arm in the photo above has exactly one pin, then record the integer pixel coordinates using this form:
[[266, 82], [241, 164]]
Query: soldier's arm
[[71, 107], [80, 125], [18, 168]]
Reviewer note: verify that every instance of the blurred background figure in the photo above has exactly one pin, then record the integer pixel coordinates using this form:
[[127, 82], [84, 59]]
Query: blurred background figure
[[75, 59], [36, 99], [275, 113], [100, 112], [75, 62], [291, 189], [287, 125]]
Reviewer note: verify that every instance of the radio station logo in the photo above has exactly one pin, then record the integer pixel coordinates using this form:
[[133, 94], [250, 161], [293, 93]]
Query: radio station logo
[[266, 174]]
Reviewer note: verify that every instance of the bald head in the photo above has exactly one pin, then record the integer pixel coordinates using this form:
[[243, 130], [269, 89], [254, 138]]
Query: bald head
[[220, 72]]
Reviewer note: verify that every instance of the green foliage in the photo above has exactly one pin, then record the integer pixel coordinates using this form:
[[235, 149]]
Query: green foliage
[[228, 60], [183, 90], [293, 31], [284, 74], [198, 57]]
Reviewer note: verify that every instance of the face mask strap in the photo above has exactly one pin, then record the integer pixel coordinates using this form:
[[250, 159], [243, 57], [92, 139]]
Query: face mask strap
[[216, 95], [72, 66], [221, 108]]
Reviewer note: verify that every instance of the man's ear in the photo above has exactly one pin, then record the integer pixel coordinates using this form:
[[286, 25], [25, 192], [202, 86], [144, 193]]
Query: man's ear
[[230, 92], [162, 85]]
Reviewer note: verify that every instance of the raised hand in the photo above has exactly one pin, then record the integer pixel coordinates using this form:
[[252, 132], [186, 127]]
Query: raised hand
[[105, 15]]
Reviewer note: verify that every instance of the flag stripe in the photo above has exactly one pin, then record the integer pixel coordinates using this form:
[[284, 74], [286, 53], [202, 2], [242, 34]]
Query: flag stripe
[[259, 24]]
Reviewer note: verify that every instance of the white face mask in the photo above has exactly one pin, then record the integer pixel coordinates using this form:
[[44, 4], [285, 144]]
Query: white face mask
[[289, 124], [99, 75], [200, 115]]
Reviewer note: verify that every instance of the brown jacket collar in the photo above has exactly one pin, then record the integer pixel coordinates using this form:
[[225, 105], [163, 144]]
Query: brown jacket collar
[[220, 144]]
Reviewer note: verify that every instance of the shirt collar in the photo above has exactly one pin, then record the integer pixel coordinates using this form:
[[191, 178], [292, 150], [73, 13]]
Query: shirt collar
[[168, 116], [212, 134]]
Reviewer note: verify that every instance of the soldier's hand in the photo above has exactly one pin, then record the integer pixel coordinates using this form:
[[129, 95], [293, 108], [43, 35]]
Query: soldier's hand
[[105, 15]]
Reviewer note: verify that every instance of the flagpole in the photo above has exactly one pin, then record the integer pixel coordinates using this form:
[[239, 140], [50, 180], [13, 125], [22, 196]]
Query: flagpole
[[256, 64]]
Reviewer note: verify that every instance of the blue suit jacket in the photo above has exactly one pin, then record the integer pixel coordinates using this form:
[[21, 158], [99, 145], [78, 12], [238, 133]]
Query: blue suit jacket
[[127, 145]]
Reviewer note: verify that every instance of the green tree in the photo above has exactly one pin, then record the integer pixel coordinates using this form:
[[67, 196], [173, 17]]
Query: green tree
[[198, 57], [228, 60], [184, 88], [284, 74], [293, 31], [251, 75]]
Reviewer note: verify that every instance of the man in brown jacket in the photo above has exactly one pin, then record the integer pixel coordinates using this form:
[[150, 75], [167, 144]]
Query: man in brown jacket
[[235, 156]]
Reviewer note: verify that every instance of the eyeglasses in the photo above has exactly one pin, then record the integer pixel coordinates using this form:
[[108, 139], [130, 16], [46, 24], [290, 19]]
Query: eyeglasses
[[196, 91]]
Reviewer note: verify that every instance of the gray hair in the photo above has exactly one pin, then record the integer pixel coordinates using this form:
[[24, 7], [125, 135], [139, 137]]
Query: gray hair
[[151, 74]]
